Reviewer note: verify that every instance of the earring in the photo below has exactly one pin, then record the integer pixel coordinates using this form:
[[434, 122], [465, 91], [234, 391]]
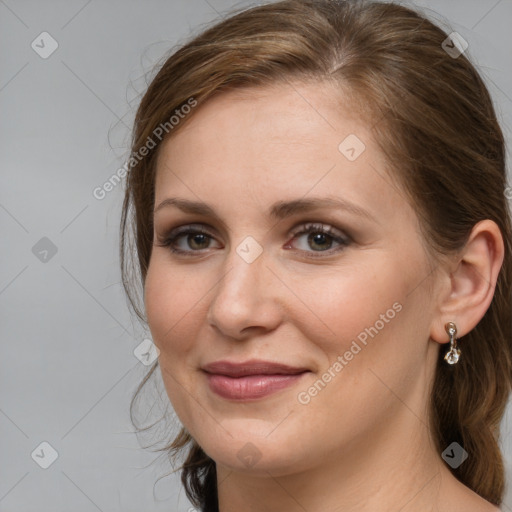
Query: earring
[[453, 355]]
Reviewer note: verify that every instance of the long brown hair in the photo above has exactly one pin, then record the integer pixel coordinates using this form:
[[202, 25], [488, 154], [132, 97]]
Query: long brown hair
[[431, 115]]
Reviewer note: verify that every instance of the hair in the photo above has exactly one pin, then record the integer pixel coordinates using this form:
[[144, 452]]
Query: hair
[[433, 118]]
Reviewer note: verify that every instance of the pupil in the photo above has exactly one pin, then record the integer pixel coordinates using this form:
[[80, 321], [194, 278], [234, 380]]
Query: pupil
[[195, 239], [318, 238]]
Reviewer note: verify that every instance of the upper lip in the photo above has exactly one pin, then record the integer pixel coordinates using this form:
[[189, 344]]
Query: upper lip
[[252, 367]]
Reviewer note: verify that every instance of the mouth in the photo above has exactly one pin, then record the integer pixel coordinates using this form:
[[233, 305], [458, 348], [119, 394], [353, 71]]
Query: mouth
[[250, 380]]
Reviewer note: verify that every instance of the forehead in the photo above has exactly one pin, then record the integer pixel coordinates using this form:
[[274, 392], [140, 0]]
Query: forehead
[[270, 143], [287, 111]]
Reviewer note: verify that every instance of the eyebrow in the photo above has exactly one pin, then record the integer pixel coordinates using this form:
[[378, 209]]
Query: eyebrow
[[278, 211]]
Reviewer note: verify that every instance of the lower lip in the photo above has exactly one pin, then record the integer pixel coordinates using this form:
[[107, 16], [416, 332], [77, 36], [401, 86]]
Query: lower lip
[[250, 387]]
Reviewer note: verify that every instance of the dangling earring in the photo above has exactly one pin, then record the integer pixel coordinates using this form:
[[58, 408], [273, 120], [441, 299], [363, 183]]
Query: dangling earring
[[453, 355]]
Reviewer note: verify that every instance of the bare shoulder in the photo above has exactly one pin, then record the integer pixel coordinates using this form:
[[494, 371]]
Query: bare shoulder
[[478, 504], [454, 496], [460, 498]]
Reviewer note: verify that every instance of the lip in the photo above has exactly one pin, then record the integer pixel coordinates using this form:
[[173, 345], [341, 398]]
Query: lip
[[251, 367], [250, 380]]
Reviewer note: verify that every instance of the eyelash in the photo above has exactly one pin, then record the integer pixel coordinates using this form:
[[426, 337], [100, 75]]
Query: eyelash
[[307, 228]]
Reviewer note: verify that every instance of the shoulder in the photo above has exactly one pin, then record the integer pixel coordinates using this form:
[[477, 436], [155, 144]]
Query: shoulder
[[480, 505], [461, 498]]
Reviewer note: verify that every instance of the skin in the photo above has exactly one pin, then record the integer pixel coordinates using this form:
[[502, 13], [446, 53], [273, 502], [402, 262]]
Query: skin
[[363, 442]]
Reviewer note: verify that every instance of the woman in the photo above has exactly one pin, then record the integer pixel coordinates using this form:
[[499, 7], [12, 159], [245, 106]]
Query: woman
[[317, 198]]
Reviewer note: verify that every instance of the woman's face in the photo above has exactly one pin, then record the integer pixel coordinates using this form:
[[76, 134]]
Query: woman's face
[[349, 311]]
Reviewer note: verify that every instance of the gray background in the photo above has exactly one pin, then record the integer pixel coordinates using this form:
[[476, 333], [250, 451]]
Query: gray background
[[68, 369]]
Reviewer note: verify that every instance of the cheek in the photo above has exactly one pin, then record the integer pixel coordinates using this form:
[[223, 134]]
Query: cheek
[[172, 303], [158, 301], [379, 329], [367, 325], [350, 303], [171, 297], [166, 297]]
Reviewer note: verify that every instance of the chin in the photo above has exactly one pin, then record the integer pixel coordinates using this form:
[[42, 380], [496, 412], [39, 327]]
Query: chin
[[251, 449]]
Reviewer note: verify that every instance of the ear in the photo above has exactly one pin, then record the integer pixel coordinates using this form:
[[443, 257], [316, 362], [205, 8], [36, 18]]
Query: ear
[[470, 281]]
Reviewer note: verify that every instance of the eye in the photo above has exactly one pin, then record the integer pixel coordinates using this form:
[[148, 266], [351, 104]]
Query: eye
[[193, 236], [320, 238], [195, 239]]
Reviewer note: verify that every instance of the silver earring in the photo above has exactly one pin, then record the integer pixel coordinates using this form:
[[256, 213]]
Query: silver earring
[[453, 355]]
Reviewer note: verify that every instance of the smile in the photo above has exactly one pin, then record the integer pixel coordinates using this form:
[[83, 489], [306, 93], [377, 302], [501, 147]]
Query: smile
[[251, 380]]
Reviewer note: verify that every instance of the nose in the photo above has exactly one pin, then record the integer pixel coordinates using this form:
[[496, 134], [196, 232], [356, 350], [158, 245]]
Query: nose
[[246, 299]]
